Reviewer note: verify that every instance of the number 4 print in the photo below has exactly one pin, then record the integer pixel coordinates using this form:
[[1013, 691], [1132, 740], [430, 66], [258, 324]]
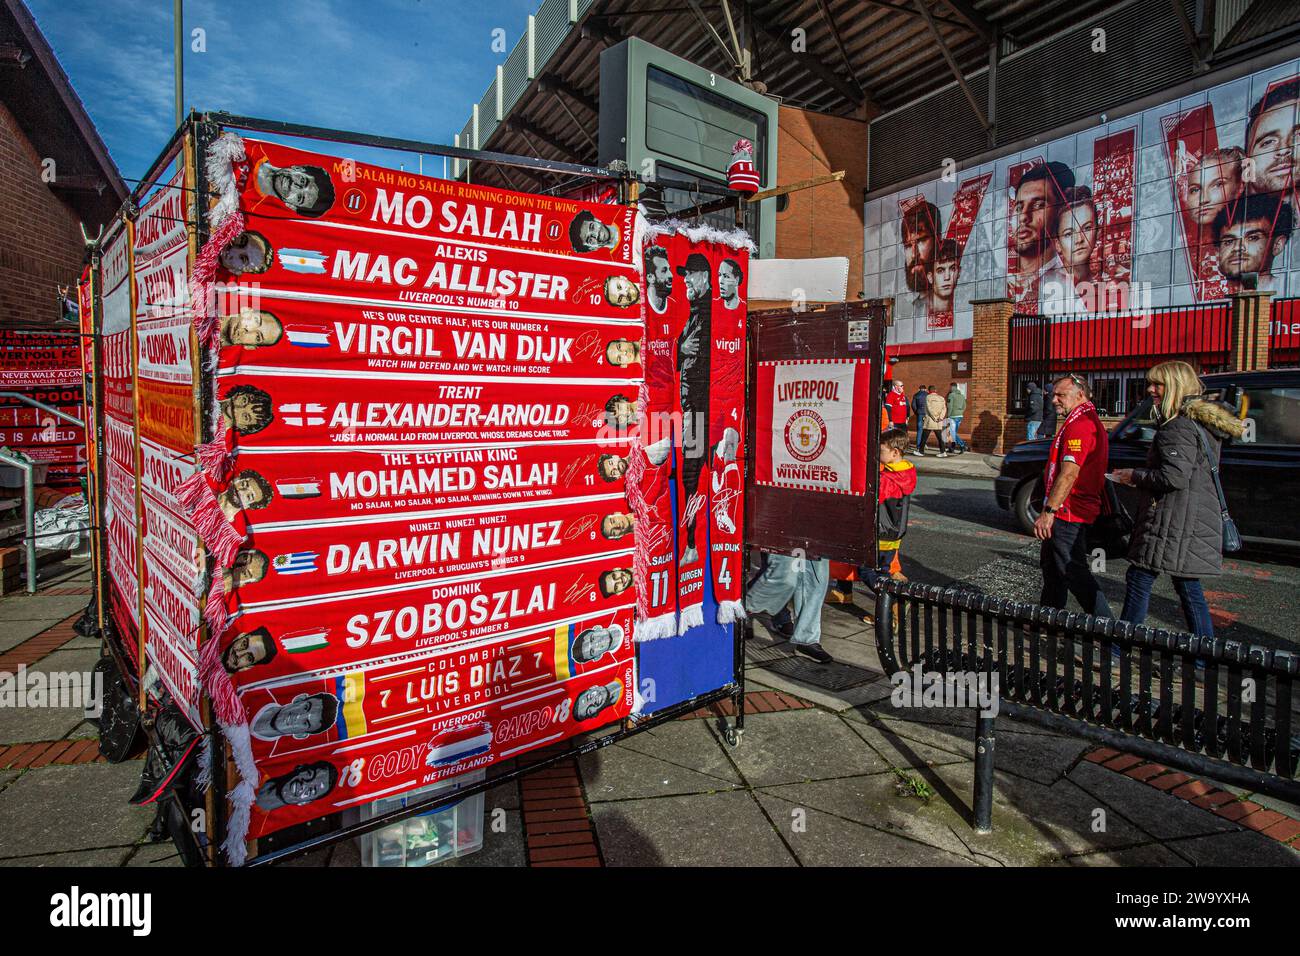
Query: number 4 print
[[724, 573]]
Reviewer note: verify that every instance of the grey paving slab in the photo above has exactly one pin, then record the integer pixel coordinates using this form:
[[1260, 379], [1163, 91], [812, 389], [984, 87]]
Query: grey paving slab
[[13, 633], [72, 808], [79, 858], [875, 801], [826, 840], [70, 660], [801, 745], [500, 848], [1033, 824], [156, 854], [1039, 757], [1164, 816], [1152, 854], [722, 829], [7, 776], [505, 796], [1242, 848], [621, 772], [689, 743], [899, 751], [25, 724], [42, 607]]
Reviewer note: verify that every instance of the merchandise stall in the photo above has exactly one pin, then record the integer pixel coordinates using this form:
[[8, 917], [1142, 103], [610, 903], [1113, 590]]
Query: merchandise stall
[[406, 486]]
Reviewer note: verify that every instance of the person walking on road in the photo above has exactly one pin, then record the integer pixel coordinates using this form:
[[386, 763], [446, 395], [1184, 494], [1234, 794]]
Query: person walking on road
[[1034, 417], [956, 412], [1049, 416], [1179, 525], [918, 409], [936, 416], [1075, 479]]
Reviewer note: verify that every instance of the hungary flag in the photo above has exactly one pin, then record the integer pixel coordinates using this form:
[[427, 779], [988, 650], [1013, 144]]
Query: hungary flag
[[301, 642]]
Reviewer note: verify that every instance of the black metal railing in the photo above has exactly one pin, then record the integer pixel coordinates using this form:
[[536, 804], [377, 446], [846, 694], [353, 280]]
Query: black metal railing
[[1206, 705], [1114, 347]]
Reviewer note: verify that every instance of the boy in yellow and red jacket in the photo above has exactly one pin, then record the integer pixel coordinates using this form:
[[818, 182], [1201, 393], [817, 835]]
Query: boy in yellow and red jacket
[[897, 482]]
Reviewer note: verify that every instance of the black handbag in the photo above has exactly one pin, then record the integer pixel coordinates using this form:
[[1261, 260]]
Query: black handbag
[[1231, 536]]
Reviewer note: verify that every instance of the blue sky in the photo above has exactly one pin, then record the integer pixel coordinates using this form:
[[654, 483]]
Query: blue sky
[[405, 68]]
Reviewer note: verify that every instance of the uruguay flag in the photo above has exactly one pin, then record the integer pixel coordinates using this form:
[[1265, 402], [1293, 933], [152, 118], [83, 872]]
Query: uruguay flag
[[299, 562], [302, 260]]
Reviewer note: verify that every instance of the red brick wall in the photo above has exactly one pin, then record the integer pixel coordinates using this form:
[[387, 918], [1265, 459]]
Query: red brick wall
[[824, 220], [40, 240], [936, 370]]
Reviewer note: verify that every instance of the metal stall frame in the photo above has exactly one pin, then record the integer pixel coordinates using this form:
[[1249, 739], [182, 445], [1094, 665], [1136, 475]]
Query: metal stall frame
[[189, 143]]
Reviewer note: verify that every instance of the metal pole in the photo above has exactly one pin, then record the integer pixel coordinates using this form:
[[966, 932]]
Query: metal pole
[[178, 38], [984, 749]]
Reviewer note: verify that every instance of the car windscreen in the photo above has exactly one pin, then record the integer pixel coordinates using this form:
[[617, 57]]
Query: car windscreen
[[1139, 426]]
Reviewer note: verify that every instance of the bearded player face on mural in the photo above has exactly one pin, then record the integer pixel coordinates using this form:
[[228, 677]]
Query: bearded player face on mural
[[1273, 139], [595, 642], [304, 189], [303, 716], [617, 525], [249, 252], [249, 567], [248, 490], [611, 467], [246, 409], [249, 650]]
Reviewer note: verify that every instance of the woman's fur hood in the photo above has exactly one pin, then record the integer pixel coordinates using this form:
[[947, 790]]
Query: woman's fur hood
[[1218, 418]]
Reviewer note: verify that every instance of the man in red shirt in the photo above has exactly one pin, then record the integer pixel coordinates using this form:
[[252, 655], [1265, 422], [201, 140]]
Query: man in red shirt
[[1075, 481], [897, 405]]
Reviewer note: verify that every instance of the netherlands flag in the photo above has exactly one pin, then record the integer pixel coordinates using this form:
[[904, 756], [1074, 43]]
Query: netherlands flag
[[302, 260], [308, 336], [298, 562]]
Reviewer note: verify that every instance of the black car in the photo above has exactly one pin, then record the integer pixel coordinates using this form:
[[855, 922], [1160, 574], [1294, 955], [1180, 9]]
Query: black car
[[1260, 471]]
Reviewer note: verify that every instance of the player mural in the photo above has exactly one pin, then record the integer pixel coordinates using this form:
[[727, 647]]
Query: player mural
[[1187, 202]]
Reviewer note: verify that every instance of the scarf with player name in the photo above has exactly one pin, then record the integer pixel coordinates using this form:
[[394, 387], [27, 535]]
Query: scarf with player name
[[725, 474], [651, 462]]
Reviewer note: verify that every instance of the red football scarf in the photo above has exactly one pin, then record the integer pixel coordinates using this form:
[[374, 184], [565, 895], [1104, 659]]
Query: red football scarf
[[355, 627], [329, 338], [292, 560], [375, 197], [726, 431], [651, 467], [327, 262], [295, 410], [303, 786]]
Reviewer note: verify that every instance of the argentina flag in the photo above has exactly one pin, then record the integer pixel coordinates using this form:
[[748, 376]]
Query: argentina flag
[[299, 562], [302, 260]]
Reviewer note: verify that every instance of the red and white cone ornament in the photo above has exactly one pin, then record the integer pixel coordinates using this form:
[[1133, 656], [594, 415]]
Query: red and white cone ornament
[[742, 175]]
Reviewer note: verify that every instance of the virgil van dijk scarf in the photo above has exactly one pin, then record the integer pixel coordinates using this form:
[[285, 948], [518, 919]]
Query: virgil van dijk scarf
[[726, 435]]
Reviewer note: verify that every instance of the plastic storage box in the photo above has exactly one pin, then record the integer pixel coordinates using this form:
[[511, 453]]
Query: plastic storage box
[[428, 838]]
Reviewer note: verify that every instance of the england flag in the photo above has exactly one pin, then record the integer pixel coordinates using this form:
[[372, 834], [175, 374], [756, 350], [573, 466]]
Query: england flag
[[299, 414]]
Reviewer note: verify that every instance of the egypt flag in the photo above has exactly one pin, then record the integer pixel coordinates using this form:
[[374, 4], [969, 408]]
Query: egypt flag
[[298, 487], [302, 260], [299, 562], [350, 689], [305, 641], [308, 336]]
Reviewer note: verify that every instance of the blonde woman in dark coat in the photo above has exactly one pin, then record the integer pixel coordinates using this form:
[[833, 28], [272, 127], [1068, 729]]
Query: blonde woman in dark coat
[[1178, 529]]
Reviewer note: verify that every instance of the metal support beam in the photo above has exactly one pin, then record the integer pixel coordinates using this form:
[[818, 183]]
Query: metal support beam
[[809, 62], [978, 22], [1189, 35], [952, 64], [911, 12], [825, 9], [730, 57]]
